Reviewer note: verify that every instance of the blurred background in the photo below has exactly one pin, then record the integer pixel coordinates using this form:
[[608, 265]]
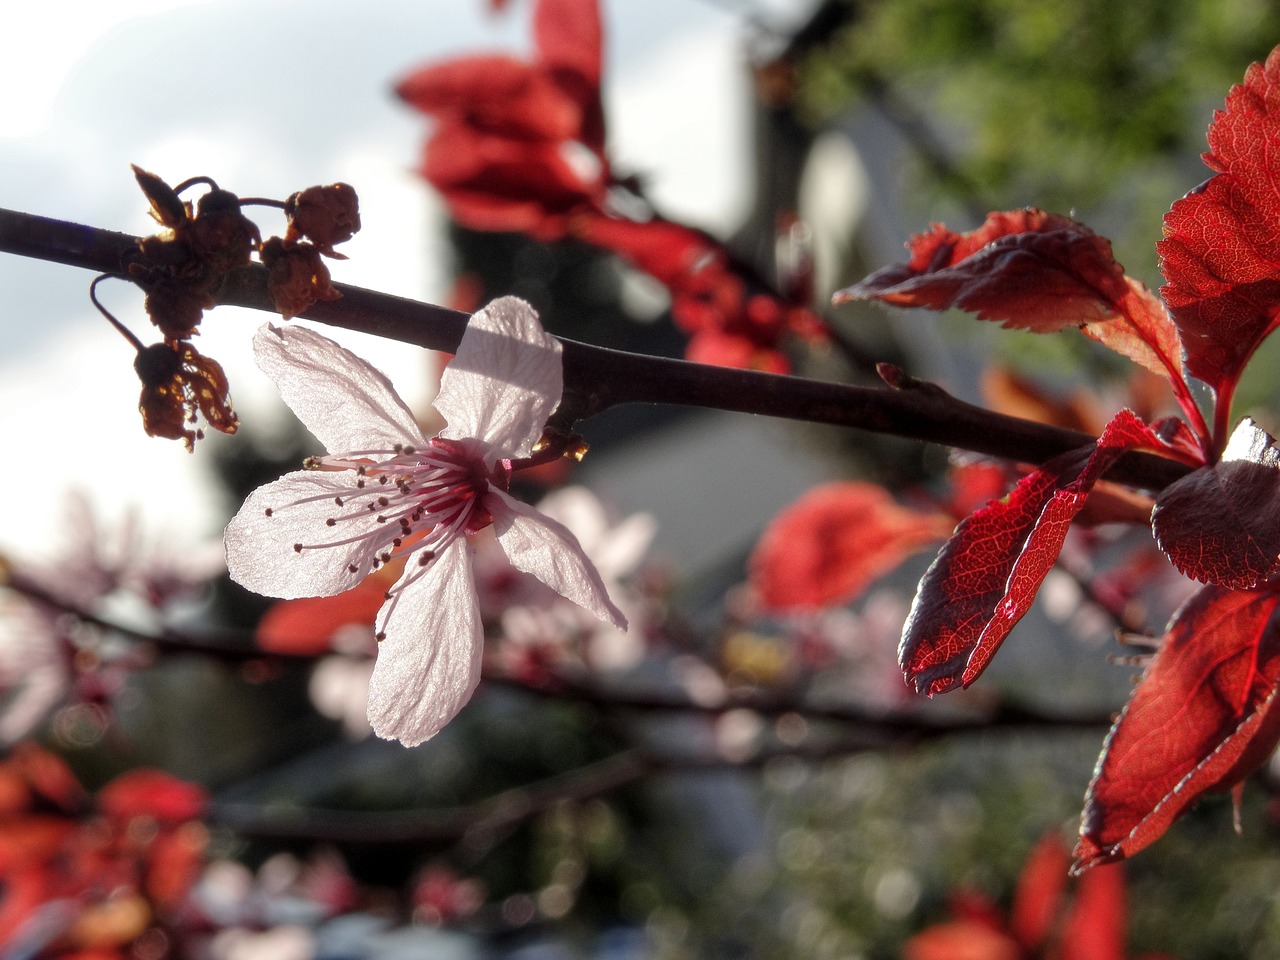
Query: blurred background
[[659, 822]]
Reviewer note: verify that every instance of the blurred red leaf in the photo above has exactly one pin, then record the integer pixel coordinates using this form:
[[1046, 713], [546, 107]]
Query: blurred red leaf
[[1093, 928], [1202, 718], [1034, 271], [986, 576], [1038, 897], [494, 93], [47, 774], [306, 627], [501, 183], [961, 940], [1043, 922], [507, 128], [569, 36], [1221, 523], [152, 793], [1221, 242], [835, 540], [570, 40]]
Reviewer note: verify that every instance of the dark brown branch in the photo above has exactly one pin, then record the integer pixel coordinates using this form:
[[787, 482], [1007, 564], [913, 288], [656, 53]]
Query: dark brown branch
[[597, 378]]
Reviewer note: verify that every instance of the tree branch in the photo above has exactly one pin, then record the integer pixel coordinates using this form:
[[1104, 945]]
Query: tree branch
[[597, 378]]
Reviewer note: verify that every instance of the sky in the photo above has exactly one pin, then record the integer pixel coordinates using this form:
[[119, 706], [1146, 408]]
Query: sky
[[269, 96]]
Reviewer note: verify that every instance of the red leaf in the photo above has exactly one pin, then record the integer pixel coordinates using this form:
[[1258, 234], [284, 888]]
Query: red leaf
[[1221, 242], [1030, 270], [831, 543], [1025, 268], [1202, 718], [570, 41], [569, 36], [1094, 927], [495, 183], [152, 793], [1141, 330], [961, 940], [1037, 900], [1221, 523], [669, 252], [307, 626], [986, 576], [494, 93]]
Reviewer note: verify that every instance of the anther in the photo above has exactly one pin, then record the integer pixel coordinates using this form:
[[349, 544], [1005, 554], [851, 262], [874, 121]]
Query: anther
[[338, 501], [425, 557], [383, 501], [380, 636], [352, 568], [267, 512], [330, 522], [297, 548]]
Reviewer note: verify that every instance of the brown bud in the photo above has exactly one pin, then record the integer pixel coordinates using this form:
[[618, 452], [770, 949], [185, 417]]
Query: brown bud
[[324, 215], [296, 276], [222, 237], [178, 383]]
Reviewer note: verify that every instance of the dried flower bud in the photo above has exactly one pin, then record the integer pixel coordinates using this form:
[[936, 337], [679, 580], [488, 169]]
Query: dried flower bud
[[178, 383], [296, 276], [221, 236], [176, 306], [324, 215]]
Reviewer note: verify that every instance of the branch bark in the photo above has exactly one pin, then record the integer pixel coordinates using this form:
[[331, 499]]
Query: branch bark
[[597, 378]]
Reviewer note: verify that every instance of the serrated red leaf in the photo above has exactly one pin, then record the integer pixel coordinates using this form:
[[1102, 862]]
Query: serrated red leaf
[[1141, 330], [1221, 242], [835, 540], [1033, 271], [1202, 718], [1025, 268], [986, 576], [1221, 524]]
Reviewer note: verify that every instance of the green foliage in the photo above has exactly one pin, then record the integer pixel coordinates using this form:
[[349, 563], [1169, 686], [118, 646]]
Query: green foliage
[[1056, 104]]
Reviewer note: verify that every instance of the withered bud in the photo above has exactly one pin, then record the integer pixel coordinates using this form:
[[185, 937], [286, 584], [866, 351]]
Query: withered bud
[[221, 235], [176, 306], [324, 215], [296, 276], [177, 384]]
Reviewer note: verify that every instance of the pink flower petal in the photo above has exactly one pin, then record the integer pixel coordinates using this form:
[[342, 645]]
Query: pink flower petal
[[540, 546], [260, 547], [429, 662], [339, 397], [504, 381]]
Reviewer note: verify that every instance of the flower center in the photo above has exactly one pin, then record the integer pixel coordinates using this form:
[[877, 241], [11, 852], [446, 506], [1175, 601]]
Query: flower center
[[404, 501]]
